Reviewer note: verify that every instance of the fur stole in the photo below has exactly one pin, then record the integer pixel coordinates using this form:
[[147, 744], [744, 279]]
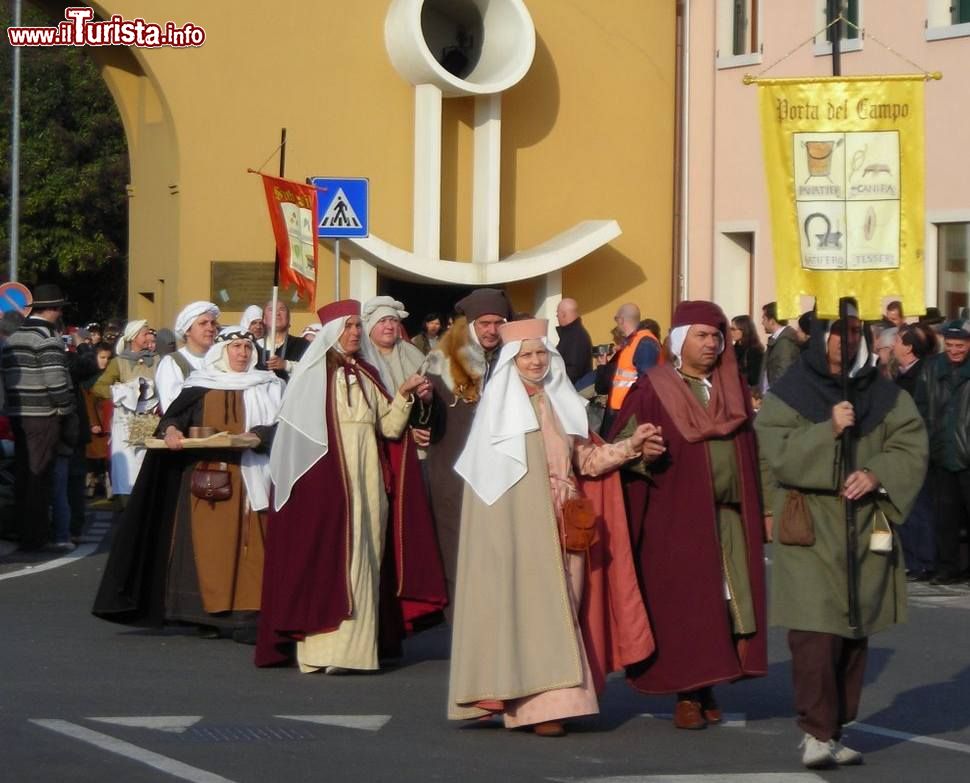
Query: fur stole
[[459, 361]]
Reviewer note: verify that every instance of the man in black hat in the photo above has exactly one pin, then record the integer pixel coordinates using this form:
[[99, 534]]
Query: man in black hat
[[41, 406], [458, 370], [943, 399]]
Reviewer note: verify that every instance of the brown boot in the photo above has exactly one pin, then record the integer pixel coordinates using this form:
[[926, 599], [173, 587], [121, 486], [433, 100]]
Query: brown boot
[[550, 728], [688, 715], [709, 706]]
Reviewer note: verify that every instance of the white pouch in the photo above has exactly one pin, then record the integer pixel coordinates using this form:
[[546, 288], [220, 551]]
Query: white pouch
[[881, 539]]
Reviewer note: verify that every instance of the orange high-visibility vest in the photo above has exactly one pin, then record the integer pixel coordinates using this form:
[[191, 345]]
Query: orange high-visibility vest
[[626, 371]]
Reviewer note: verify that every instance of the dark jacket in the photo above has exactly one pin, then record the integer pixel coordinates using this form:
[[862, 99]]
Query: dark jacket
[[781, 354], [576, 348], [907, 380], [291, 349], [750, 361], [943, 399]]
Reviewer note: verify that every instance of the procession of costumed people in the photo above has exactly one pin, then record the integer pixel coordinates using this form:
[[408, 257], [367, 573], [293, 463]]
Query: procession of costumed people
[[182, 554], [545, 608]]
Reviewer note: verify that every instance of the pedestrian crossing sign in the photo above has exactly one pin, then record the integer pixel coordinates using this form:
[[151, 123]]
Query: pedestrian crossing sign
[[342, 206]]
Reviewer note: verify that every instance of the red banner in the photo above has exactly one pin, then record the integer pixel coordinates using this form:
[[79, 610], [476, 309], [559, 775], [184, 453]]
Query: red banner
[[292, 211]]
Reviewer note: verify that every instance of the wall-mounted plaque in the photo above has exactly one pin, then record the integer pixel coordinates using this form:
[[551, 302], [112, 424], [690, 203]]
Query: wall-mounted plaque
[[234, 285]]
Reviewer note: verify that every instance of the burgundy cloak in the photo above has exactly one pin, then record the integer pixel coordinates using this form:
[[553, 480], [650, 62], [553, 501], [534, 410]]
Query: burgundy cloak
[[673, 526], [306, 588]]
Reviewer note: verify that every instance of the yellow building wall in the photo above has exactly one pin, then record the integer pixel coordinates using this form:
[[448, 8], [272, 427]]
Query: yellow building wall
[[587, 134]]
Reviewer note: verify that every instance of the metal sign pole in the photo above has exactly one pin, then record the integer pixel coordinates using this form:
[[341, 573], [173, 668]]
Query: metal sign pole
[[336, 270]]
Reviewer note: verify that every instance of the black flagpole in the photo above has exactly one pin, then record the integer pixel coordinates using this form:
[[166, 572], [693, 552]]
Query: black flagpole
[[848, 466], [848, 456], [270, 337]]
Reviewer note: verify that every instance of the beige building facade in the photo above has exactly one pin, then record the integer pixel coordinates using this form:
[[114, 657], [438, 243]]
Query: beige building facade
[[569, 167], [729, 242]]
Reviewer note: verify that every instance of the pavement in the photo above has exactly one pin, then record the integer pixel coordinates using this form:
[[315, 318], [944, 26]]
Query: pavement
[[86, 700]]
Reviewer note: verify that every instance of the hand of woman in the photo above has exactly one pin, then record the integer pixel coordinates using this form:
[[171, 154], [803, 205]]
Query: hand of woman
[[648, 440], [843, 416], [416, 384], [173, 438]]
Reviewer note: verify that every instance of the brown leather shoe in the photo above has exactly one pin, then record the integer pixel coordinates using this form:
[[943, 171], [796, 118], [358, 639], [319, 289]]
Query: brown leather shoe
[[688, 715], [550, 728], [709, 706]]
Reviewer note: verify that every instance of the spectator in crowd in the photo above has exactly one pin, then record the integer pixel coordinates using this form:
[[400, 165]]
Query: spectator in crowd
[[575, 345], [427, 340], [915, 343], [934, 319], [252, 322], [151, 342], [129, 382], [99, 421], [94, 333], [747, 349], [328, 535], [782, 350], [893, 316], [515, 613], [459, 368], [639, 351], [943, 398], [190, 547], [288, 350], [885, 357], [799, 428], [197, 325], [113, 330], [40, 404], [697, 519]]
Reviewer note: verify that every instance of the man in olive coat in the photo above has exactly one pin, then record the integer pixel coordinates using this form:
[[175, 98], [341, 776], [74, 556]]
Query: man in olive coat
[[799, 428]]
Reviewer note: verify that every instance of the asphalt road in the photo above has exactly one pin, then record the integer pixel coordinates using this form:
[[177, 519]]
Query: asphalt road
[[82, 699]]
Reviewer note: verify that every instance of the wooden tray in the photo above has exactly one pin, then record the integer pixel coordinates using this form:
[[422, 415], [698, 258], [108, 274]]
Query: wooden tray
[[221, 440]]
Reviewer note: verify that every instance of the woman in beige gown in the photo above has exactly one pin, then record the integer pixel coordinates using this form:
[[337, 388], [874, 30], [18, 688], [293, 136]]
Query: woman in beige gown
[[519, 646]]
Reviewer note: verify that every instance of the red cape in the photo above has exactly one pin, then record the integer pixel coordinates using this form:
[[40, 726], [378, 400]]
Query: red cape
[[616, 631], [306, 586], [673, 526]]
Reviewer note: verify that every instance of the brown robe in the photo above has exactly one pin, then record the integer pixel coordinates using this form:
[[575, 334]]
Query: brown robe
[[216, 564]]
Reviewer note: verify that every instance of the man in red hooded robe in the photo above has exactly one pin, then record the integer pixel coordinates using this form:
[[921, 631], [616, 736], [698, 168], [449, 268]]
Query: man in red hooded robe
[[696, 520]]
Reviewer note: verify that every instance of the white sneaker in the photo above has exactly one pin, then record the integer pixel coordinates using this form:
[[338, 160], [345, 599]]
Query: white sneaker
[[817, 754], [844, 756], [62, 546]]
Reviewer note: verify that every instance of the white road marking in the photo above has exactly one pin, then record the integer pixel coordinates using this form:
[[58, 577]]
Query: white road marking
[[176, 724], [734, 777], [82, 551], [960, 747], [120, 747], [731, 720], [362, 722]]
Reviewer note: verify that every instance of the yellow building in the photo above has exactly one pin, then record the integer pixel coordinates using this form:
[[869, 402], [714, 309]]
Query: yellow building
[[552, 162]]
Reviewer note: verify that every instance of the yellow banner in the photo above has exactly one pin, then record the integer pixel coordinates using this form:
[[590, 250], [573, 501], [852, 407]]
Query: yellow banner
[[844, 161]]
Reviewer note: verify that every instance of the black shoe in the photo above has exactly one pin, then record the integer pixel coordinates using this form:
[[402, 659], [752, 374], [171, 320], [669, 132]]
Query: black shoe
[[246, 635], [207, 632], [917, 576], [946, 578]]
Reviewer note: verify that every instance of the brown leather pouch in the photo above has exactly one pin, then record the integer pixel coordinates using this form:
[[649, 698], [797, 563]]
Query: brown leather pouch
[[579, 520], [795, 526], [211, 481]]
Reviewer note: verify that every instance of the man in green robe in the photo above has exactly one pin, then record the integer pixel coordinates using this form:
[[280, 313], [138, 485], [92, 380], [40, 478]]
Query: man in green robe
[[799, 428]]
